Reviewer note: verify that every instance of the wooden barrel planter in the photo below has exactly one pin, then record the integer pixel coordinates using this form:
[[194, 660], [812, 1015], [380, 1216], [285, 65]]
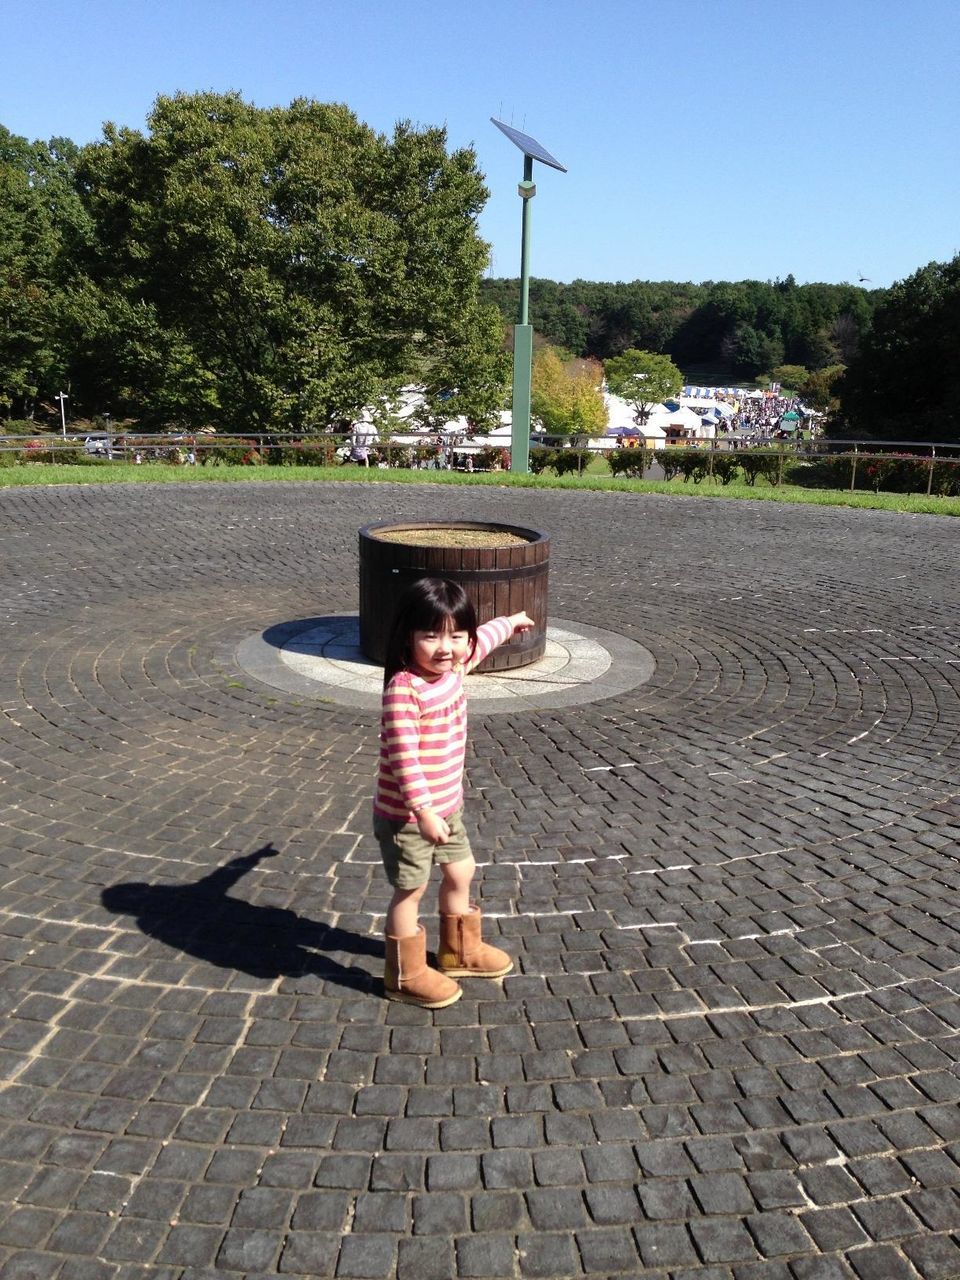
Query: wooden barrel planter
[[497, 579]]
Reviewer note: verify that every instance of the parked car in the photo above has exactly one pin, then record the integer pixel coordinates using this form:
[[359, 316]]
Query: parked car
[[97, 444]]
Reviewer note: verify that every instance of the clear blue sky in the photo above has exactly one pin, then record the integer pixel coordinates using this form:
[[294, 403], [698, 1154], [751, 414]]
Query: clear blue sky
[[705, 139]]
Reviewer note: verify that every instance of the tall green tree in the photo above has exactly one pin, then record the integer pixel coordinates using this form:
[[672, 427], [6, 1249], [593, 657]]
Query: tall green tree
[[905, 383], [644, 379], [790, 376], [820, 389], [281, 268], [41, 224]]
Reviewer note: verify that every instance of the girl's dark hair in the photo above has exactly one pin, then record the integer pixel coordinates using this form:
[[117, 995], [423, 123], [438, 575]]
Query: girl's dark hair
[[429, 604]]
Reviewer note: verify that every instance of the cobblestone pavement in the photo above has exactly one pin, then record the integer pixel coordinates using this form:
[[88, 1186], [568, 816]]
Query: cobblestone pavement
[[730, 1046]]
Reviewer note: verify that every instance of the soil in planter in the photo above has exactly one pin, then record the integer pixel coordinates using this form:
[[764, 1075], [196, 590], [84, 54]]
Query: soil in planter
[[451, 537]]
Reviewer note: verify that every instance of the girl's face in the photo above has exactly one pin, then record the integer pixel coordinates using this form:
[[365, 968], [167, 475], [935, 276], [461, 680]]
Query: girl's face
[[434, 653]]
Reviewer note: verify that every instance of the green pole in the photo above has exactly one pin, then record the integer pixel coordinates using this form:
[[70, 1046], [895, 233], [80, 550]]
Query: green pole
[[522, 374], [523, 336]]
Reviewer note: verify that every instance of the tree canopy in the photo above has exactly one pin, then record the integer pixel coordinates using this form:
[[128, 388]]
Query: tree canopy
[[566, 396], [905, 383], [745, 327], [41, 220], [643, 379], [258, 268]]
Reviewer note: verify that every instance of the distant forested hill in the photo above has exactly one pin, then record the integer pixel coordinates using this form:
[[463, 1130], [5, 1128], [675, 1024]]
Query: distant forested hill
[[747, 327]]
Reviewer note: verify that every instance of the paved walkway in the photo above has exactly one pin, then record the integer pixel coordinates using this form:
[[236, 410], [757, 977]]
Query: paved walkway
[[729, 1050]]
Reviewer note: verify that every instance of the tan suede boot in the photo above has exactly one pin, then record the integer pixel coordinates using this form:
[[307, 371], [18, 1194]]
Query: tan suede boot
[[407, 977], [462, 952]]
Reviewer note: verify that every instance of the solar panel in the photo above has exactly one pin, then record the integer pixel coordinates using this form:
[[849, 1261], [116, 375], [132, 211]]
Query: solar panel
[[529, 146]]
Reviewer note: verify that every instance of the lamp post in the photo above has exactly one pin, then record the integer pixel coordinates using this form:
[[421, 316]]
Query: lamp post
[[63, 398], [523, 332]]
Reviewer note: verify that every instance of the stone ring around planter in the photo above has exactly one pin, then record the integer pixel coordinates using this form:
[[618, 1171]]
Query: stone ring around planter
[[320, 657]]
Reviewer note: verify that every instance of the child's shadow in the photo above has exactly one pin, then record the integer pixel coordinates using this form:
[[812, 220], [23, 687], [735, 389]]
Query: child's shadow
[[265, 942]]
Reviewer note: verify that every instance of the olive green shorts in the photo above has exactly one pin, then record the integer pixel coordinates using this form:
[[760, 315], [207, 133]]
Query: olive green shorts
[[408, 858]]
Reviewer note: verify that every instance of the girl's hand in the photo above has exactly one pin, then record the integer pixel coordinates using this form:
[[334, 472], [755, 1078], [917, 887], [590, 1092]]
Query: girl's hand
[[521, 622], [432, 827]]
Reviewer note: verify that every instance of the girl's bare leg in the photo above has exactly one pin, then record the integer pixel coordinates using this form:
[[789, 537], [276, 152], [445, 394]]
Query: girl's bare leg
[[455, 886], [403, 913]]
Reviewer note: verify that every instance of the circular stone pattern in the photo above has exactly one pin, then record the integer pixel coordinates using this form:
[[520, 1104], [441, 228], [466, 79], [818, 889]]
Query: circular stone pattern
[[322, 657], [730, 1043]]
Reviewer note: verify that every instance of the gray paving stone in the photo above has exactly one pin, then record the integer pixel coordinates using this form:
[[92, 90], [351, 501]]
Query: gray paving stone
[[887, 1218], [134, 1240], [777, 1234], [553, 1209], [547, 1255], [439, 1213], [611, 1249], [874, 1262], [820, 1268], [397, 1172], [497, 1211], [486, 1256], [722, 1193], [188, 1245], [558, 1166], [664, 1245], [364, 1257], [720, 1240], [310, 1253], [608, 1205], [430, 1259], [506, 1169], [936, 1257]]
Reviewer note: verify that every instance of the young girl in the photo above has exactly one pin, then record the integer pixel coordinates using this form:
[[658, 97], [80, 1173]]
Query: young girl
[[418, 808]]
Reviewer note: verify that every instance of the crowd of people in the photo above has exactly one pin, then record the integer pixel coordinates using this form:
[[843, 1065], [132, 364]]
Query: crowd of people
[[765, 417], [758, 419]]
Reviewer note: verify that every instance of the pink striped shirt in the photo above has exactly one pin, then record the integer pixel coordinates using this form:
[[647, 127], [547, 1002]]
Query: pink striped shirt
[[423, 736]]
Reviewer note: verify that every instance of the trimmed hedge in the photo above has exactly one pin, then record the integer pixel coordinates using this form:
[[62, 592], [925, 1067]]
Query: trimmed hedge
[[628, 462]]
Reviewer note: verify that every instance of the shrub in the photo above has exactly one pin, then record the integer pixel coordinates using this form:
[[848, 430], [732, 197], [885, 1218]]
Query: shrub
[[492, 458], [820, 473], [946, 478], [725, 467], [671, 460], [693, 465], [401, 455], [760, 462], [230, 451], [900, 473], [879, 473], [51, 450], [627, 462], [540, 459], [567, 460], [303, 453]]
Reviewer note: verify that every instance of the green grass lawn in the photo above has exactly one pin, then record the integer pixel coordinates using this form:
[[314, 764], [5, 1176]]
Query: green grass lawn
[[597, 477]]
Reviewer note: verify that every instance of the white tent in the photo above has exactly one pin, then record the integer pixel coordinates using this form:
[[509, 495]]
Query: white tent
[[659, 422], [671, 422], [619, 415], [719, 408], [685, 418], [620, 420]]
